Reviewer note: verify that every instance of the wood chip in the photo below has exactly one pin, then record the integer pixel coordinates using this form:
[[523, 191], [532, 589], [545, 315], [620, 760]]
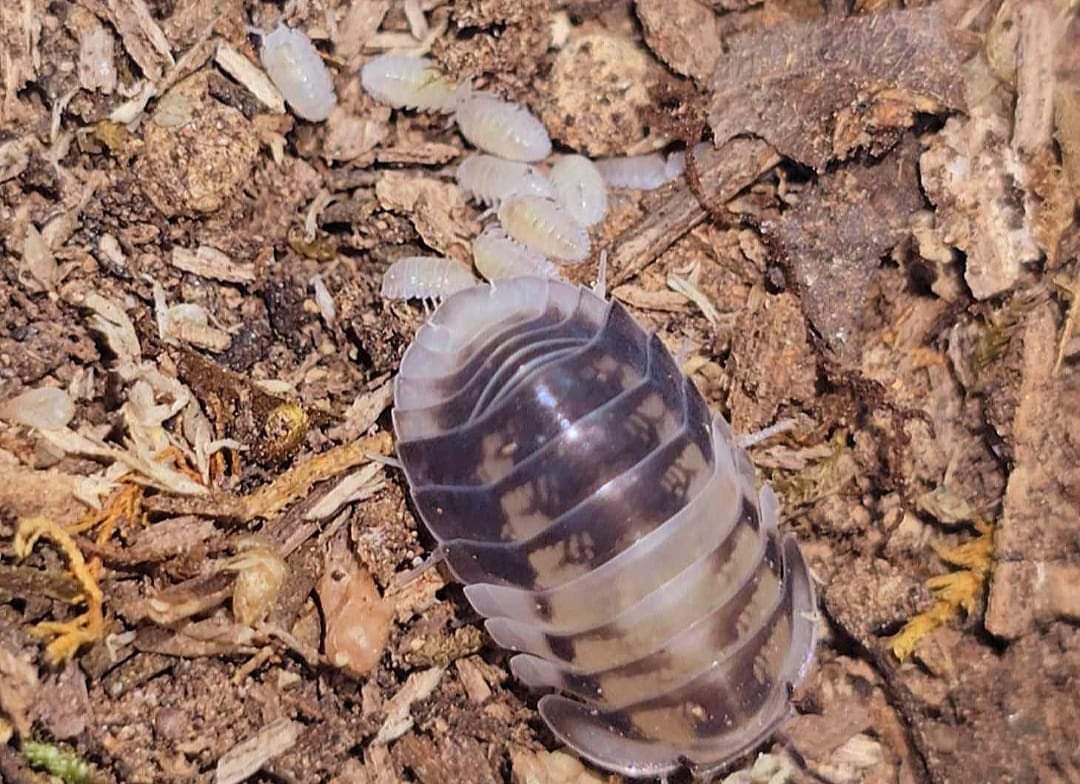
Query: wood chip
[[250, 76], [97, 51], [140, 34], [472, 671], [245, 759], [791, 83], [399, 719], [208, 262]]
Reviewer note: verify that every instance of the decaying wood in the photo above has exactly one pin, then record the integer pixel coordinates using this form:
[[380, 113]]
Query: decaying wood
[[722, 173]]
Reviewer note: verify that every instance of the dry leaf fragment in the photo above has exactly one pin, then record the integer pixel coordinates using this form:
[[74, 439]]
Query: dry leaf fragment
[[358, 486], [550, 767], [246, 758], [357, 618], [437, 210]]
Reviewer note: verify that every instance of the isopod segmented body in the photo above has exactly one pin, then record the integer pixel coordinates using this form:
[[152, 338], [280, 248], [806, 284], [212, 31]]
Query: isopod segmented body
[[498, 255], [489, 180], [641, 172], [544, 226], [296, 69], [605, 525], [425, 277], [581, 189], [502, 128], [408, 82]]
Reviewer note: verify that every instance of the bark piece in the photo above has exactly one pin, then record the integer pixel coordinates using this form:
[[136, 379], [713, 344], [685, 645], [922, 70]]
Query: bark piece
[[798, 85], [834, 239]]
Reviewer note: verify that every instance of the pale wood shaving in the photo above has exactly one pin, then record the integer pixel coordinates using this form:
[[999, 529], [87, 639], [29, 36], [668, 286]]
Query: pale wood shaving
[[250, 76], [246, 758], [399, 719], [140, 34]]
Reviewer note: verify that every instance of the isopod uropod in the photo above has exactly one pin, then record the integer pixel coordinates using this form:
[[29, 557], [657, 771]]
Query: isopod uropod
[[544, 226], [408, 82], [605, 525], [296, 69], [502, 128]]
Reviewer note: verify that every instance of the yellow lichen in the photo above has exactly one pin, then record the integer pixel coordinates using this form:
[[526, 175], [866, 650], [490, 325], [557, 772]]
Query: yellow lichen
[[68, 636], [125, 503], [959, 590]]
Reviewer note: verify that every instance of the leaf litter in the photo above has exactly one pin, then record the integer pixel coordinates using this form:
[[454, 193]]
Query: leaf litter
[[199, 518]]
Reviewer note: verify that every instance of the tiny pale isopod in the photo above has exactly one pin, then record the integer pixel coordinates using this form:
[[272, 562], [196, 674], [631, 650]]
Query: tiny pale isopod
[[425, 277], [489, 180], [294, 66], [408, 82], [640, 172], [544, 226], [502, 128], [581, 189], [497, 255], [606, 525]]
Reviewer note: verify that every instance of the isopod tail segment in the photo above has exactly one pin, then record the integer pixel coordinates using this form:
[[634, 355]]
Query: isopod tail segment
[[606, 526]]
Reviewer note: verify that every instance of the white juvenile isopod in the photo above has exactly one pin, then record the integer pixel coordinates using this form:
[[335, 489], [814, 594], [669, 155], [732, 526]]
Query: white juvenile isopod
[[425, 277], [544, 226], [639, 172], [502, 128], [296, 69], [490, 180], [497, 255], [581, 189], [408, 82]]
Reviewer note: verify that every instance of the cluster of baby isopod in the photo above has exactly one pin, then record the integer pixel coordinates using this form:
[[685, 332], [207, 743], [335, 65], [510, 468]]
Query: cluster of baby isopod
[[544, 204]]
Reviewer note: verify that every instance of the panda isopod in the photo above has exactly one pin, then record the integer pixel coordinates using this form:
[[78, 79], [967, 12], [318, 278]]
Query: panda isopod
[[605, 524]]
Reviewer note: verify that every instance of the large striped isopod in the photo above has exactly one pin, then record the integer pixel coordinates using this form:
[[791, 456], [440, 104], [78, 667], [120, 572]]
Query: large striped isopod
[[489, 180], [408, 82], [544, 226], [502, 128], [606, 526]]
